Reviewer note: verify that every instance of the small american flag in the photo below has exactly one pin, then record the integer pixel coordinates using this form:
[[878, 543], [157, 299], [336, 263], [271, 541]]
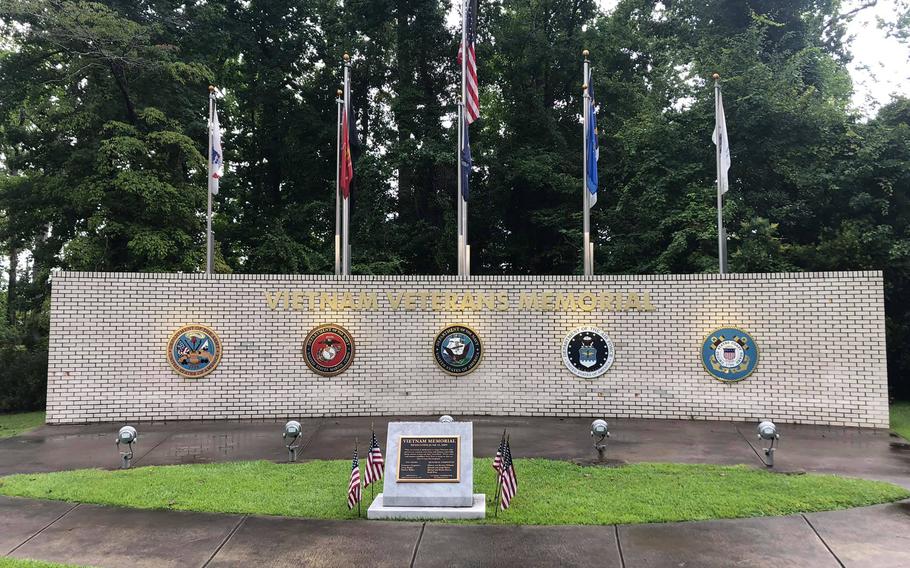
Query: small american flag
[[472, 94], [354, 485], [497, 460], [507, 478], [375, 463]]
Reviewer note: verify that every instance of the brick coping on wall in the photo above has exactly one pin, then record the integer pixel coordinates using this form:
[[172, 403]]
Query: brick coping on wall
[[478, 278]]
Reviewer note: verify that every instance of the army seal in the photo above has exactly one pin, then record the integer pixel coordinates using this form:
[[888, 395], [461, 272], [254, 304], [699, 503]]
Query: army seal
[[194, 351], [587, 352], [457, 350], [729, 354], [328, 350]]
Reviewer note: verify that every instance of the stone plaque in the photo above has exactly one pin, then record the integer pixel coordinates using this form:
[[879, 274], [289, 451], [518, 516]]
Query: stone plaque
[[429, 464], [429, 459]]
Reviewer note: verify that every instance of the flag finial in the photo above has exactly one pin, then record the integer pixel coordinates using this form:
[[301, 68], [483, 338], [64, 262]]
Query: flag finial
[[346, 57], [716, 76], [339, 92], [211, 88], [586, 53], [584, 86]]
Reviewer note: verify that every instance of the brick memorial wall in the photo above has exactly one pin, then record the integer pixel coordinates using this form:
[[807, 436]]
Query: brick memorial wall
[[821, 338]]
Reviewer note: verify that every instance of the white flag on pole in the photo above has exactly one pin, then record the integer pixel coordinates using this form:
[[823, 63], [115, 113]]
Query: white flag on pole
[[720, 139], [216, 167]]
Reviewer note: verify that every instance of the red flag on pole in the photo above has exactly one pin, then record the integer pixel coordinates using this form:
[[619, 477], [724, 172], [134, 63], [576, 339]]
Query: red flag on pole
[[347, 164]]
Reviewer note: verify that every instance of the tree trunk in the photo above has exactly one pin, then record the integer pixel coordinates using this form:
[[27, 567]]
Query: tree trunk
[[11, 289]]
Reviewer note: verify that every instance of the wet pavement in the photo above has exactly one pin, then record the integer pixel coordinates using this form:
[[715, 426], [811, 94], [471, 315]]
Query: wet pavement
[[107, 536], [91, 535], [868, 453]]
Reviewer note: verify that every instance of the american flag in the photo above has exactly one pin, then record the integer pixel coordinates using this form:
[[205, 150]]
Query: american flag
[[375, 463], [354, 485], [497, 460], [472, 94], [507, 478]]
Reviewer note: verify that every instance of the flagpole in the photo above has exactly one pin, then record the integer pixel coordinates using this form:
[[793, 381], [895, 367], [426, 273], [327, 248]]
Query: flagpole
[[460, 238], [209, 245], [463, 205], [369, 458], [346, 206], [721, 234], [339, 102], [361, 476], [586, 207]]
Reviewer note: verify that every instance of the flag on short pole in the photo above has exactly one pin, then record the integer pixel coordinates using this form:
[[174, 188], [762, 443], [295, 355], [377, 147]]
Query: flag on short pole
[[592, 149], [354, 493], [375, 463], [472, 93], [216, 160], [720, 139], [507, 478], [497, 460]]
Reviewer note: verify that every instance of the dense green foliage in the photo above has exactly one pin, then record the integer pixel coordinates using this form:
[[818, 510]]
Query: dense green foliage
[[552, 492], [102, 133]]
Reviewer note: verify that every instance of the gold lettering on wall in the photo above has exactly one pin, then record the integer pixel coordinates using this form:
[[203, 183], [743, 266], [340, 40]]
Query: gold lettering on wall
[[423, 300]]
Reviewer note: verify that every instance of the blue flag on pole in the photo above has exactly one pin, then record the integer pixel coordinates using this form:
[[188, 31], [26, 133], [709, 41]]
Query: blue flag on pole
[[592, 150], [466, 162]]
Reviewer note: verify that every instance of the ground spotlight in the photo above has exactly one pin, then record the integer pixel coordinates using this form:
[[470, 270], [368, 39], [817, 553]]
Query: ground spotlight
[[446, 418], [127, 435], [292, 431], [768, 431], [600, 430]]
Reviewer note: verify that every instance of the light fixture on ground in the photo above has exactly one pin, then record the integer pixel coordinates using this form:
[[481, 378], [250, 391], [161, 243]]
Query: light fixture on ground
[[768, 431], [292, 431], [127, 435], [600, 430], [446, 418]]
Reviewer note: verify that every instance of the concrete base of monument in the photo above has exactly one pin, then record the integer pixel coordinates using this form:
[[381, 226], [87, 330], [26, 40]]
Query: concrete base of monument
[[476, 511]]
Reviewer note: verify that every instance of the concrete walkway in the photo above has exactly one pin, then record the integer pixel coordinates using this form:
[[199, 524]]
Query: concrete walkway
[[874, 537], [106, 536]]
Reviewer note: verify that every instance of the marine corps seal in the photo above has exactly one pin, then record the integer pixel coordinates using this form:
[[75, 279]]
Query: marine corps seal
[[328, 350], [457, 350], [729, 354], [194, 351], [587, 352]]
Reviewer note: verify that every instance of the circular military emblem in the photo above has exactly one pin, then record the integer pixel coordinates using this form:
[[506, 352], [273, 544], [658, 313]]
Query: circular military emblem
[[194, 351], [329, 350], [457, 350], [587, 352], [729, 354]]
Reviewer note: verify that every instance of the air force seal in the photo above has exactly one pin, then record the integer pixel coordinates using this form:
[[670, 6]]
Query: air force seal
[[194, 351], [729, 354], [587, 352], [457, 350], [328, 350]]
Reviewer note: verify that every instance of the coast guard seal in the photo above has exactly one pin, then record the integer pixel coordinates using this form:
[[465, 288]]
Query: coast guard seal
[[729, 354], [587, 352], [457, 350], [194, 351], [328, 350]]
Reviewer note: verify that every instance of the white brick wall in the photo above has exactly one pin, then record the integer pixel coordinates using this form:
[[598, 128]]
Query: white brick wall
[[821, 338]]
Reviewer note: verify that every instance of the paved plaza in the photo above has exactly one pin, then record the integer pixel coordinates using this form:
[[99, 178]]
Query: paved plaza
[[876, 536]]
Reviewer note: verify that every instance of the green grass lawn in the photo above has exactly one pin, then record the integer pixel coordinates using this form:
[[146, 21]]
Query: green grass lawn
[[550, 492], [900, 419], [19, 563], [13, 424]]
